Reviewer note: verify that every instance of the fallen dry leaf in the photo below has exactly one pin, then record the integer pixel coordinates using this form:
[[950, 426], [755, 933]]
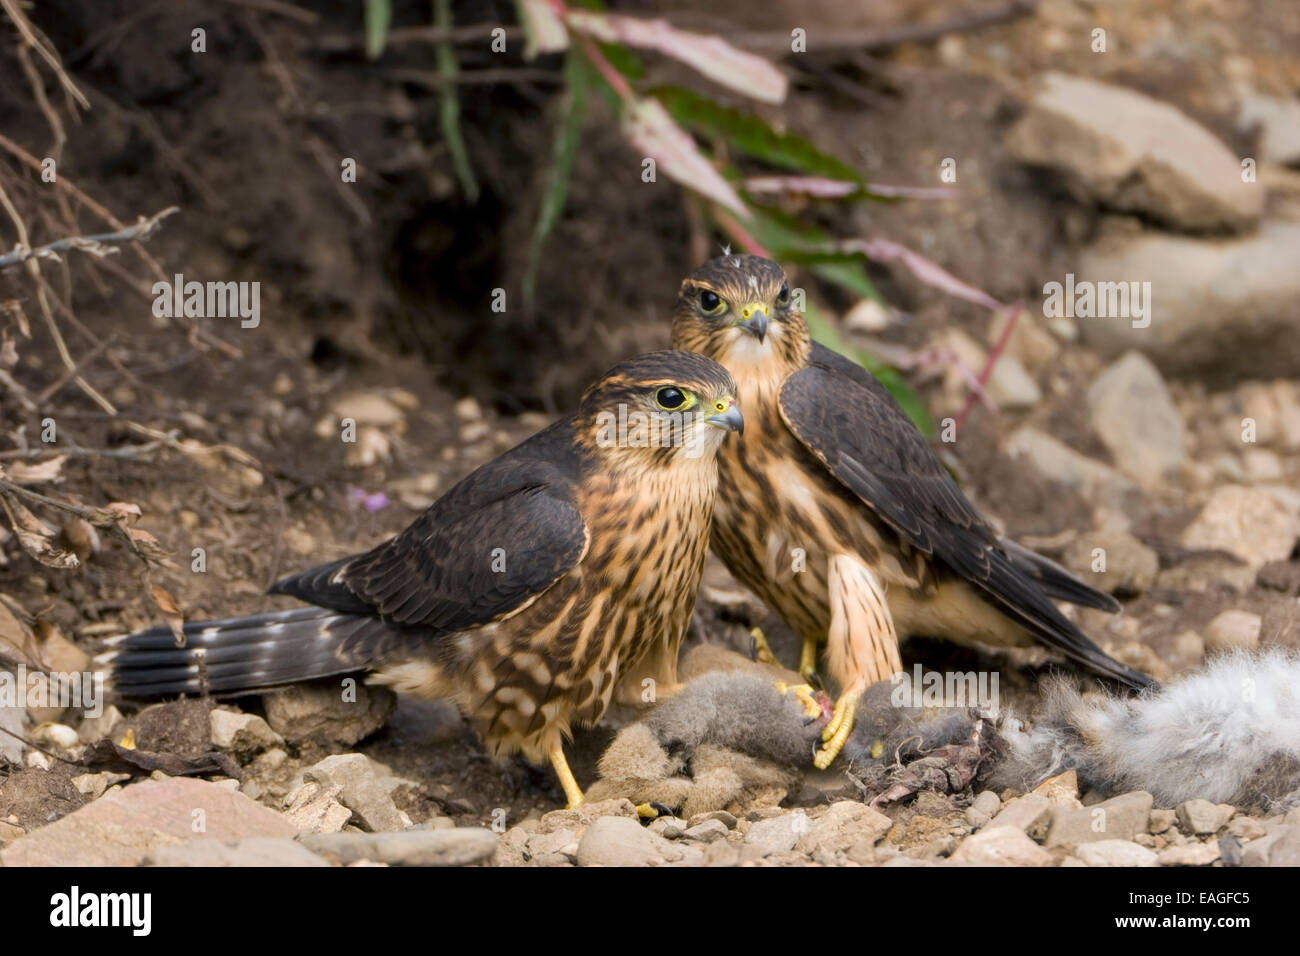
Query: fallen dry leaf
[[175, 619], [36, 538]]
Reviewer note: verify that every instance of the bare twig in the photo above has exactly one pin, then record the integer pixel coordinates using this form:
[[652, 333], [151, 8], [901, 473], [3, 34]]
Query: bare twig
[[32, 38], [95, 245]]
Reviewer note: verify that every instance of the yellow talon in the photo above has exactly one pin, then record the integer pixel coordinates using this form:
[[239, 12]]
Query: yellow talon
[[837, 731], [808, 659], [572, 792], [762, 651], [804, 694]]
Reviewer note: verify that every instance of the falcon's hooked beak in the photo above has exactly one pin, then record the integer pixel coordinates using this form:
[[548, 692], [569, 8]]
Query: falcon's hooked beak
[[731, 419], [754, 320]]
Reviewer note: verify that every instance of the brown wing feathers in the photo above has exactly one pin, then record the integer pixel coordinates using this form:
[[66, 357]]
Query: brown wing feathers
[[845, 417]]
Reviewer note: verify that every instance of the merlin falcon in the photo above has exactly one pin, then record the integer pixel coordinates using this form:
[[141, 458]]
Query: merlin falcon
[[836, 512], [549, 581]]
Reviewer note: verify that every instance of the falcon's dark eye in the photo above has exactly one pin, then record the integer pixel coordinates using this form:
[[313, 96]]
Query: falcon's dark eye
[[670, 397], [710, 301], [784, 295]]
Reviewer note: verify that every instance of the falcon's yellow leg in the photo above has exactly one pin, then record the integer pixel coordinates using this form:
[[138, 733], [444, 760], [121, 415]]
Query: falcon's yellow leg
[[862, 645], [761, 650], [837, 731], [572, 792], [808, 659], [804, 692]]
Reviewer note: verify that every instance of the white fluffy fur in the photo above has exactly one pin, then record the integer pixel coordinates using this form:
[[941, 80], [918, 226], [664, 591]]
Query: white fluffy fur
[[1229, 733]]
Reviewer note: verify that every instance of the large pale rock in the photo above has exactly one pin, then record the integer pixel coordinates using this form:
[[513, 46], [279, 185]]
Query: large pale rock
[[1001, 846], [1277, 120], [323, 712], [1130, 152], [121, 828], [1256, 524], [1131, 412], [1049, 456], [619, 841], [1222, 309], [1119, 818]]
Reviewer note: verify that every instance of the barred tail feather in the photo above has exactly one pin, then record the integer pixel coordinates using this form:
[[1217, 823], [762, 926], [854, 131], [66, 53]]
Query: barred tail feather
[[239, 655]]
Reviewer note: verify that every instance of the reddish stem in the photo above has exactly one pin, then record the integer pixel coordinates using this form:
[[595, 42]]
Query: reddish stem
[[987, 371]]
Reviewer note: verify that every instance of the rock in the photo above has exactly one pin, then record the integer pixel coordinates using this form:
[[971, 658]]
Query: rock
[[1161, 820], [620, 841], [1285, 850], [1116, 853], [59, 735], [586, 814], [986, 805], [1001, 846], [777, 834], [1030, 814], [1230, 850], [93, 785], [728, 819], [1255, 524], [1119, 818], [1233, 629], [1189, 649], [563, 843], [359, 790], [1193, 854], [707, 832], [845, 825], [670, 828], [314, 808], [1256, 852], [93, 729], [1277, 120], [9, 832], [319, 712], [1246, 829], [121, 827], [12, 719], [458, 847], [243, 734], [1127, 565], [367, 408], [1062, 790], [1130, 410], [1009, 385], [1220, 309], [1128, 151], [258, 851], [1053, 459], [1030, 343], [867, 317]]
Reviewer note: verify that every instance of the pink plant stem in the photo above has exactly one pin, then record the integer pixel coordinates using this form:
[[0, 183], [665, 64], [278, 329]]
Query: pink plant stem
[[987, 371]]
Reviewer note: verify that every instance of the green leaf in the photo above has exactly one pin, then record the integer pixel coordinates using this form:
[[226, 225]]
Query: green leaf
[[748, 134], [577, 77], [449, 104], [379, 16]]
